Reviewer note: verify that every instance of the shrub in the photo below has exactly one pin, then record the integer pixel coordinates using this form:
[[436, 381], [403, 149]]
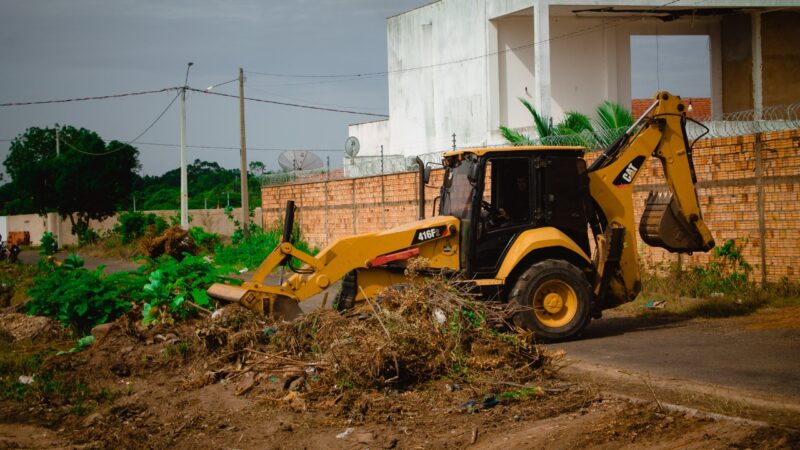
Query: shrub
[[726, 273], [85, 235], [177, 289], [48, 244], [204, 239], [77, 297], [167, 288], [133, 225], [251, 252]]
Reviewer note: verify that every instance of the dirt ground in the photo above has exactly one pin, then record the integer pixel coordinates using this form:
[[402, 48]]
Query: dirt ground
[[178, 386]]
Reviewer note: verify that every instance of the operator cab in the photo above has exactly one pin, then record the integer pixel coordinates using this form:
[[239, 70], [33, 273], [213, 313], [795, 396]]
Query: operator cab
[[498, 193]]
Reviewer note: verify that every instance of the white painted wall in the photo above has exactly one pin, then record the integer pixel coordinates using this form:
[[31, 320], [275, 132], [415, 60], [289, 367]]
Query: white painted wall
[[473, 73], [4, 227], [427, 106], [371, 135], [515, 66]]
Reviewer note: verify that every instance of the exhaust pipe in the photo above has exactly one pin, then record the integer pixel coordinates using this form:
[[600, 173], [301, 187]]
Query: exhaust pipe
[[288, 228], [422, 180]]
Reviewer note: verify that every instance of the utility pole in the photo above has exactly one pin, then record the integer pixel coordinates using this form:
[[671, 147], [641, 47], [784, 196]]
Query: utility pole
[[184, 173], [243, 154], [58, 216]]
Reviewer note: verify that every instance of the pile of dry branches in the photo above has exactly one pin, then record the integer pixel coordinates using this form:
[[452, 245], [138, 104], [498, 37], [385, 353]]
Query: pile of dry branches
[[411, 335]]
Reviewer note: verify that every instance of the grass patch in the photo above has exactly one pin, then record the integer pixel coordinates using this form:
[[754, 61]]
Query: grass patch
[[15, 279], [721, 288], [72, 396]]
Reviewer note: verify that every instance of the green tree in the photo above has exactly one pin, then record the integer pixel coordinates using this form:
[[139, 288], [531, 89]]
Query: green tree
[[209, 184], [88, 180]]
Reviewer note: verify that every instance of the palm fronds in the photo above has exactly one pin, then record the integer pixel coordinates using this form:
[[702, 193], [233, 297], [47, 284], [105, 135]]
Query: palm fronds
[[544, 126], [612, 115], [576, 128], [514, 137]]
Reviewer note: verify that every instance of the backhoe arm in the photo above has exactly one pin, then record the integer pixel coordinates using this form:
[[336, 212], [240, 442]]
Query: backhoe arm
[[671, 220]]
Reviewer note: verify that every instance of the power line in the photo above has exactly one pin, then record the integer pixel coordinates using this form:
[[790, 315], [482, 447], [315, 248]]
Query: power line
[[284, 75], [295, 105], [274, 102], [155, 121], [366, 75], [328, 81], [315, 103], [81, 99], [90, 153], [215, 147]]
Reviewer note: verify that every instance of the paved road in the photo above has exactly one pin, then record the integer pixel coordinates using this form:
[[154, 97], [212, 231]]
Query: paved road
[[90, 262], [760, 353]]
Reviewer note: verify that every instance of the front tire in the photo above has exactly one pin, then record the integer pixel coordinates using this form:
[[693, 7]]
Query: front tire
[[553, 299]]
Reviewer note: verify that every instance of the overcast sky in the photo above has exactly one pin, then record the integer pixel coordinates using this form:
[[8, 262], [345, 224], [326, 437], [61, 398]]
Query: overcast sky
[[54, 49], [679, 64]]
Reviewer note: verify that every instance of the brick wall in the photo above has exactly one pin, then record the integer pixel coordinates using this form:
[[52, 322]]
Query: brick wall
[[701, 107], [749, 187]]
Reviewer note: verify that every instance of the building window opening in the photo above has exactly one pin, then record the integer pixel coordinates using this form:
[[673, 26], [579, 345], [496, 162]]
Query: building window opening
[[680, 64]]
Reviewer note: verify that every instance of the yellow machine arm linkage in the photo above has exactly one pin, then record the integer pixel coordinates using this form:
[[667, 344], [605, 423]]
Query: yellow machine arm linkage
[[671, 220], [435, 239]]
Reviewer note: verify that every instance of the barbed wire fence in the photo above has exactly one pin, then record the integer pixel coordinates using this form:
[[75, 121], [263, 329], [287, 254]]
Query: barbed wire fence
[[740, 123]]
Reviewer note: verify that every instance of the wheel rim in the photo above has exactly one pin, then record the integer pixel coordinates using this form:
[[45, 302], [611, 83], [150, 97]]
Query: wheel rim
[[555, 303]]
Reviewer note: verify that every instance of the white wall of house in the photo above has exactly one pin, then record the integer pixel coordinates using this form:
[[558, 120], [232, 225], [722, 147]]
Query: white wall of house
[[371, 135], [428, 106], [4, 227], [459, 66]]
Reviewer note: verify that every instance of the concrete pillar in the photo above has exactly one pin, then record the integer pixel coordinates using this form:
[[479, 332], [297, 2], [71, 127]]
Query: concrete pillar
[[541, 57], [758, 92]]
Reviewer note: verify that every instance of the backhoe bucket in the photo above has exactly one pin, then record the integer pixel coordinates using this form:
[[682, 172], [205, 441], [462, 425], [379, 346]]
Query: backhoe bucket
[[663, 225]]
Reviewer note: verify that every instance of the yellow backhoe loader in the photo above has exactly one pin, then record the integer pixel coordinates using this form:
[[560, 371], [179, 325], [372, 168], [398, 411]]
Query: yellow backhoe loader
[[516, 222]]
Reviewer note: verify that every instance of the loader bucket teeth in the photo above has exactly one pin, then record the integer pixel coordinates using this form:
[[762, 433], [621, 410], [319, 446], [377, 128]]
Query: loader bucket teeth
[[663, 225]]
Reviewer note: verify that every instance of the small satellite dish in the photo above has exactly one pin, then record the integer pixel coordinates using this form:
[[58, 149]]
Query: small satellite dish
[[351, 146], [292, 160]]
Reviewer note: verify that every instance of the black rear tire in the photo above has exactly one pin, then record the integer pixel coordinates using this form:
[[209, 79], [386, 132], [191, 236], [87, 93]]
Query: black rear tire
[[553, 299]]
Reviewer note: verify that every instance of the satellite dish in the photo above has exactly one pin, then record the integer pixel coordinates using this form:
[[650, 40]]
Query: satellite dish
[[351, 146], [292, 160]]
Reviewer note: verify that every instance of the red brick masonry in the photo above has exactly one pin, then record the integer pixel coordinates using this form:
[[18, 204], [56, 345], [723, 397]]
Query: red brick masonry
[[701, 107], [749, 187]]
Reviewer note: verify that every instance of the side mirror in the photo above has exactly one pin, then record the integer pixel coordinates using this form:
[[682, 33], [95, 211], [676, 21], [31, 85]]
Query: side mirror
[[472, 175]]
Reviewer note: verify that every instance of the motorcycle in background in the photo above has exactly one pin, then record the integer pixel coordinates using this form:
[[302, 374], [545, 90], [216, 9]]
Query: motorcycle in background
[[10, 253]]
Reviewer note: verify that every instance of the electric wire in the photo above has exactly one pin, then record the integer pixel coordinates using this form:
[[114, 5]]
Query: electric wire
[[295, 105], [366, 75], [250, 87], [82, 99], [156, 120], [219, 147]]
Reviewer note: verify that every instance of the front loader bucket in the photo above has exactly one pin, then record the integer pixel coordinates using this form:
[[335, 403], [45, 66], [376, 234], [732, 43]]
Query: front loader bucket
[[663, 225], [226, 292], [267, 303]]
